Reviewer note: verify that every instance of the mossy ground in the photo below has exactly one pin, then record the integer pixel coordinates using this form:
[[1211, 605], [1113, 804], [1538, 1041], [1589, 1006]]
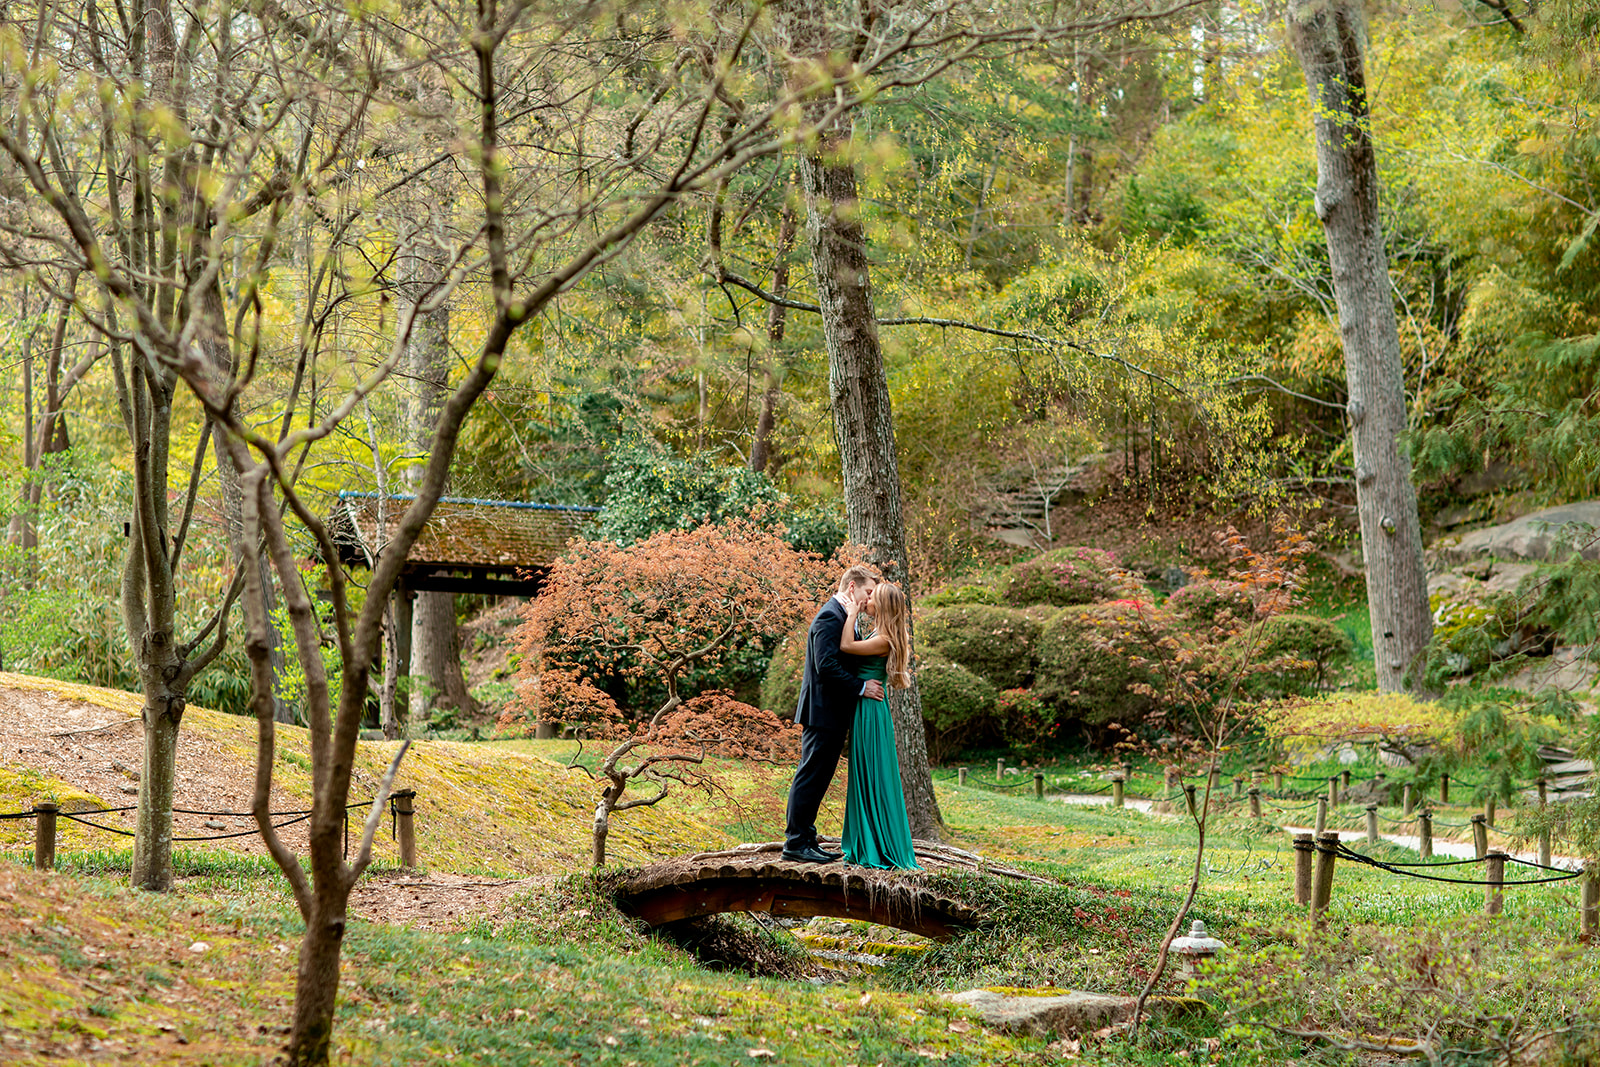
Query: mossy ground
[[492, 810]]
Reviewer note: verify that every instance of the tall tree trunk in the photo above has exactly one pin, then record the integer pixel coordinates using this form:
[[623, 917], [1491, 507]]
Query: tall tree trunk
[[975, 224], [148, 604], [1329, 36], [48, 436], [862, 421], [777, 322], [435, 642], [436, 656], [213, 339]]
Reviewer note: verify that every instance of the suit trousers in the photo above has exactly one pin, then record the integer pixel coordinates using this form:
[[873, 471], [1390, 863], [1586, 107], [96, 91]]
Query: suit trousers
[[819, 759]]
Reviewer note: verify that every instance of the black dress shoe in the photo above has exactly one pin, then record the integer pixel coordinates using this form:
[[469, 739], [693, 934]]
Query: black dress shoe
[[809, 854], [833, 857]]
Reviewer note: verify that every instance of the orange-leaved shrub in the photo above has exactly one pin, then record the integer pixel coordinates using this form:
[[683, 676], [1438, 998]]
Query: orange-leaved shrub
[[660, 610]]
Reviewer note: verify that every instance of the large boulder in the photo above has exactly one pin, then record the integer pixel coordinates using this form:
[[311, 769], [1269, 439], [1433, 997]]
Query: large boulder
[[1551, 534]]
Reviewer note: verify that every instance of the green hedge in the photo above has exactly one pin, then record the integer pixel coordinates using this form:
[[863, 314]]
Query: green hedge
[[1299, 653], [967, 593], [1082, 681], [995, 643], [780, 686], [957, 706], [1063, 578], [1203, 602]]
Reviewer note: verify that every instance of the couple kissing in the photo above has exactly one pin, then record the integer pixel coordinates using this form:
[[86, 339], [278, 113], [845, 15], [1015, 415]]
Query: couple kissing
[[860, 639]]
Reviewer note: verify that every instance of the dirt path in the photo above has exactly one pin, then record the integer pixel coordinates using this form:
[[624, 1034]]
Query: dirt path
[[434, 901], [99, 751]]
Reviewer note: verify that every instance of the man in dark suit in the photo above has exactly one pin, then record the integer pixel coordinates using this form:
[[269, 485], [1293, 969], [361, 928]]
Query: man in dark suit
[[829, 690]]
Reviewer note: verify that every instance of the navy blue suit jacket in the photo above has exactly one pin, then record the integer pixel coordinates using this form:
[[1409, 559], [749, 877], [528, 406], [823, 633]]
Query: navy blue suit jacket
[[831, 684]]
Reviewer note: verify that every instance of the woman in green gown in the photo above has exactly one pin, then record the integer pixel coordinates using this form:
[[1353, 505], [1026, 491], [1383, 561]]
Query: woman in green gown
[[876, 830]]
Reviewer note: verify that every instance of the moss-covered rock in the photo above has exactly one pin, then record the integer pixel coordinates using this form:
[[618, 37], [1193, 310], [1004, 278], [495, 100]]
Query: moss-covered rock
[[1064, 577], [993, 642]]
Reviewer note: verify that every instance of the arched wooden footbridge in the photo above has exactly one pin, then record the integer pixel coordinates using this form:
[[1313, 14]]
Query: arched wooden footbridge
[[757, 878]]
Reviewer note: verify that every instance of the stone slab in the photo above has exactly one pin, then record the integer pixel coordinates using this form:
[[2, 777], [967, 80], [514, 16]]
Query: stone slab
[[1043, 1012]]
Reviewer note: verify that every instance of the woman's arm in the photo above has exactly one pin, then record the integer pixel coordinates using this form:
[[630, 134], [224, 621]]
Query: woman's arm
[[876, 645]]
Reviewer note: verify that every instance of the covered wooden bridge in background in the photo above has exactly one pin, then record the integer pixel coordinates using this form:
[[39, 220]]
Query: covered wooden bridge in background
[[489, 547]]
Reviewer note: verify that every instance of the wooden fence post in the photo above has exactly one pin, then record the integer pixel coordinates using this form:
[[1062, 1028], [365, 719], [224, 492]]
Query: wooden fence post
[[1322, 880], [1544, 790], [1372, 824], [961, 776], [44, 835], [1188, 793], [1544, 847], [1425, 833], [1305, 848], [1480, 837], [1255, 802], [1488, 810], [1322, 814], [1494, 897], [1444, 789], [403, 808], [1344, 783], [1238, 786], [1216, 778], [1117, 799], [1277, 781], [1038, 785], [999, 768], [1407, 802], [1589, 901], [1333, 791]]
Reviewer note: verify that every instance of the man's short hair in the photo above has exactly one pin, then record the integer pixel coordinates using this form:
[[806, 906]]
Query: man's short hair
[[858, 574]]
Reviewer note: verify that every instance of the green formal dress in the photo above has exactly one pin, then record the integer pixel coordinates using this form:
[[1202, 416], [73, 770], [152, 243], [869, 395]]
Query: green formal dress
[[876, 830]]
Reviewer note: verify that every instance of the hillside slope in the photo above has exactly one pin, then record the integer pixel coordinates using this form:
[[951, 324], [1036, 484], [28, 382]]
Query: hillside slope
[[481, 809]]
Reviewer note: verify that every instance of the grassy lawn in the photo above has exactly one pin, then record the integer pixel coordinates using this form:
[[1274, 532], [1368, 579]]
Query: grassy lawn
[[93, 971]]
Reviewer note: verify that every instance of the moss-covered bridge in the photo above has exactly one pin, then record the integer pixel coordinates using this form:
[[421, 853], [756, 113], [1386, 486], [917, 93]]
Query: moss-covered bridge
[[756, 878]]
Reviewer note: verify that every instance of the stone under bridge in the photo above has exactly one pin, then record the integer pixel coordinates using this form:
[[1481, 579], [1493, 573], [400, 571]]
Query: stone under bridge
[[756, 878]]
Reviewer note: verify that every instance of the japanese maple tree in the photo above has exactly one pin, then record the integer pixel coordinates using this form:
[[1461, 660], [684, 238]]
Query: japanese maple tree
[[665, 609]]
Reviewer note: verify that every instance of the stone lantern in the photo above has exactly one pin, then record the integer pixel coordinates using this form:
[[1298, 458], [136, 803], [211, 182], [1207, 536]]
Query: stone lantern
[[1196, 949]]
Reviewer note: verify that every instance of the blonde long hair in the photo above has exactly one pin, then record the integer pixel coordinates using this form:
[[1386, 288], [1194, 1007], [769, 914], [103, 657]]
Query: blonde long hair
[[891, 617]]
